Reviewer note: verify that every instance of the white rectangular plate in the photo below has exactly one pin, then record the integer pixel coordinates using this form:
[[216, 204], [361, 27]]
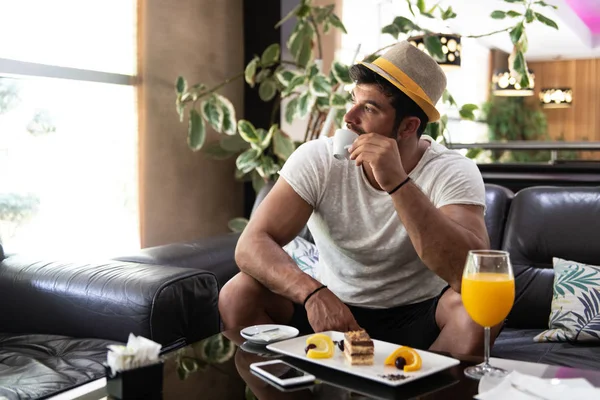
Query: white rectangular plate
[[432, 362]]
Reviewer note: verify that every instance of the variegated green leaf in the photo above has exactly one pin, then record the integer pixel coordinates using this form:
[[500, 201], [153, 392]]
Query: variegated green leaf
[[180, 85], [291, 110], [248, 160], [306, 101], [267, 90], [247, 131], [283, 146], [261, 134], [270, 56], [250, 71], [335, 21], [433, 45], [229, 118], [338, 100], [295, 83], [262, 75], [546, 21], [196, 131], [341, 73], [285, 77], [339, 118], [319, 86], [213, 113]]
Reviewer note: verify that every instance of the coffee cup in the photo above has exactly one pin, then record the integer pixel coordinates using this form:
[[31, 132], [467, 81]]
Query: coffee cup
[[342, 141]]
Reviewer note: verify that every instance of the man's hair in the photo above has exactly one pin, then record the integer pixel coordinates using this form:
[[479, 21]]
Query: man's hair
[[404, 105]]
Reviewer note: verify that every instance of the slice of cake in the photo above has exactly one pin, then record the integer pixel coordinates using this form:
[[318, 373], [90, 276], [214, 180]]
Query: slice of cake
[[358, 348]]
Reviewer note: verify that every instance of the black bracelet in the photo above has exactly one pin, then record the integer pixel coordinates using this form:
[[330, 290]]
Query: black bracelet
[[404, 182], [313, 292]]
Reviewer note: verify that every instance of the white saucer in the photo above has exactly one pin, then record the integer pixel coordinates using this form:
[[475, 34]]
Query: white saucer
[[254, 333]]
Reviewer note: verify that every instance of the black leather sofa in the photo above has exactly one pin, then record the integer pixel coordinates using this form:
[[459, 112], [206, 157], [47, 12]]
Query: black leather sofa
[[56, 318], [534, 225]]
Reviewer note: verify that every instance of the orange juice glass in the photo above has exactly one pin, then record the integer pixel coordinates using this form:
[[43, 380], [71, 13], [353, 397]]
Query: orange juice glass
[[488, 294]]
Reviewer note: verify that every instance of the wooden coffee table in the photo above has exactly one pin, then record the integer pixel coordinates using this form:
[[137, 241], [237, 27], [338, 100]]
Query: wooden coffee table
[[219, 368]]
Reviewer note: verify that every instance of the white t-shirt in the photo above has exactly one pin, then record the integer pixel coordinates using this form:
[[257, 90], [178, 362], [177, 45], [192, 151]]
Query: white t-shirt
[[365, 254]]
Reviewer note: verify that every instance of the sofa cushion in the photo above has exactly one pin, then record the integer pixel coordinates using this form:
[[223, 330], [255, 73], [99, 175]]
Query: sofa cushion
[[518, 344], [546, 222], [575, 313], [34, 366]]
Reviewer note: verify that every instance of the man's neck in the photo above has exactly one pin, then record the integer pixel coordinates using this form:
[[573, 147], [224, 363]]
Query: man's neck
[[410, 156]]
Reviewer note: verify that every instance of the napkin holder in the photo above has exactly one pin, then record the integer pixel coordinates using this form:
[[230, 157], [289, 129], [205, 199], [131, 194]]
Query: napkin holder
[[136, 384]]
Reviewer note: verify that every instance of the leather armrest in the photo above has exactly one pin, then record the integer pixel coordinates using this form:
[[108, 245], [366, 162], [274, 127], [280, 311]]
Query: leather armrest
[[107, 300], [214, 254]]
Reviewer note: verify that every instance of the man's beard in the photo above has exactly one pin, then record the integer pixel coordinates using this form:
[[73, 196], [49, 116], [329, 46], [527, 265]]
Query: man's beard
[[355, 129]]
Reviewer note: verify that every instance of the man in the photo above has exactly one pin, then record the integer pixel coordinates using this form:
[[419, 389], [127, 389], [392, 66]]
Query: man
[[393, 225]]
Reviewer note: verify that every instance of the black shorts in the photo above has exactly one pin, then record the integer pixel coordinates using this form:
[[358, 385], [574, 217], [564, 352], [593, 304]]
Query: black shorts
[[412, 325]]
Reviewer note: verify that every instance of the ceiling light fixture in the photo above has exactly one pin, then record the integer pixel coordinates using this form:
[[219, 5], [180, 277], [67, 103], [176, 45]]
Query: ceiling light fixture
[[506, 85], [451, 48], [556, 97]]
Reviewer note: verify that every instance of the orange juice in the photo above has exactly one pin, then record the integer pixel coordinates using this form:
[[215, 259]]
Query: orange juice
[[488, 297]]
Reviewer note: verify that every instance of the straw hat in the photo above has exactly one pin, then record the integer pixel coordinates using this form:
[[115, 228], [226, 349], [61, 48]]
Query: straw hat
[[415, 73]]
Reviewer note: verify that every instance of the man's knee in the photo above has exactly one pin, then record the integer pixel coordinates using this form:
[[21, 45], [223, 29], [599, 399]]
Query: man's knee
[[243, 301], [240, 289]]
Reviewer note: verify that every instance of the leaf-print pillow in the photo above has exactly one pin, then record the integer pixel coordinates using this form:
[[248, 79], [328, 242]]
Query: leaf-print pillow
[[575, 311], [305, 254]]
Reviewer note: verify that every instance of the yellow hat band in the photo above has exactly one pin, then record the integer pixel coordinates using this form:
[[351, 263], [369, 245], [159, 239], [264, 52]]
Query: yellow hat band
[[401, 77]]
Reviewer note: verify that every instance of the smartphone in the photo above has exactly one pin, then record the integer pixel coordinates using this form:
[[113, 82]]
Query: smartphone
[[281, 373]]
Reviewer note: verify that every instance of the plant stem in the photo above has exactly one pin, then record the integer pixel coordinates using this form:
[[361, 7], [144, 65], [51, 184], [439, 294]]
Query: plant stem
[[314, 24], [487, 34], [220, 85], [310, 121]]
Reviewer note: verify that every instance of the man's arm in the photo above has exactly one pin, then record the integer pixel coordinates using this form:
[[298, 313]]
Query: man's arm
[[442, 237], [277, 221]]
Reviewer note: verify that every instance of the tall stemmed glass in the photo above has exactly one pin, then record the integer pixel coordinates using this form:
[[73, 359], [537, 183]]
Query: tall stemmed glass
[[488, 294]]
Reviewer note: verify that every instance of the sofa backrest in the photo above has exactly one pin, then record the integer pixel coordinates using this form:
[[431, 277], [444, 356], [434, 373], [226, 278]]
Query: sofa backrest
[[497, 200], [546, 222]]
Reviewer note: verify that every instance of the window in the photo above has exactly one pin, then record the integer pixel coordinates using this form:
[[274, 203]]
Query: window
[[68, 127]]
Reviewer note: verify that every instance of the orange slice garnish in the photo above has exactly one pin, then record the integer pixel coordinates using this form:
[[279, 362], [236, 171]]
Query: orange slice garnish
[[325, 347], [410, 355]]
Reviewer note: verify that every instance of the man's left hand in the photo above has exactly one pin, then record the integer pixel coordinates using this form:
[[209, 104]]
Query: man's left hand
[[382, 154]]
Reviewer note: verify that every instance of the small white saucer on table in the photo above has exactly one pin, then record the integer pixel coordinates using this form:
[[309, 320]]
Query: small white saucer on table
[[268, 333]]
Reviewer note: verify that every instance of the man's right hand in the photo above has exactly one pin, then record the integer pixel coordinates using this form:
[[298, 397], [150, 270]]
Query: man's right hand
[[328, 313]]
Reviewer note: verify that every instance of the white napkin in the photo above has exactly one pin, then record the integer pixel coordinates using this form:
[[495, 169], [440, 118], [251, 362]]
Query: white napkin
[[269, 336], [139, 352], [517, 386]]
